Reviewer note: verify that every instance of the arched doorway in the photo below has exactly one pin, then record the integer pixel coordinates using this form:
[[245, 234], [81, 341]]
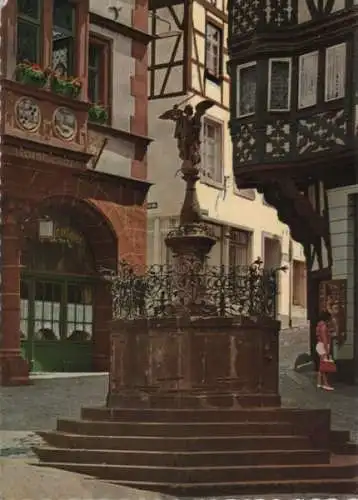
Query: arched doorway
[[59, 286]]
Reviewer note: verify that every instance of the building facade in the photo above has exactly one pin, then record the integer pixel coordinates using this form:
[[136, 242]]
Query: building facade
[[73, 176], [294, 116], [187, 63]]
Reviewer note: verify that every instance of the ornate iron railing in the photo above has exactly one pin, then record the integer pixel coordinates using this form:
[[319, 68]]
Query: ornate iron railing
[[241, 290]]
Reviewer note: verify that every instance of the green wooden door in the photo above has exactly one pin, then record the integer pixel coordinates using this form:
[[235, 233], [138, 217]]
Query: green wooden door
[[56, 323]]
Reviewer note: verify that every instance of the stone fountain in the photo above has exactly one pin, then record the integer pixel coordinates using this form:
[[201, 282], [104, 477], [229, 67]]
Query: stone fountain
[[193, 405]]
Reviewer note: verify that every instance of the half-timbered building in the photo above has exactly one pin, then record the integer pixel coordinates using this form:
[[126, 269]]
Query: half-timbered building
[[294, 72], [187, 63], [73, 176]]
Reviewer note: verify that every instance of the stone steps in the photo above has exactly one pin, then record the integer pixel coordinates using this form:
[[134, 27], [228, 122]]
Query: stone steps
[[198, 452], [308, 487], [275, 414], [181, 459], [159, 443], [224, 474], [174, 429]]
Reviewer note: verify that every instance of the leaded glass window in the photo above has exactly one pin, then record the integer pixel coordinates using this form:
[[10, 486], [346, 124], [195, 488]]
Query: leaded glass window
[[63, 37], [279, 88], [246, 89], [29, 30]]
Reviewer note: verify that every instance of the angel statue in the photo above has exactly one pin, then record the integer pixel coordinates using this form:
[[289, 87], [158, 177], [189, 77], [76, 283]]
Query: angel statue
[[187, 129]]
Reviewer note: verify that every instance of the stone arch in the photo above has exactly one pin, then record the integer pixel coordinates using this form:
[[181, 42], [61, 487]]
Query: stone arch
[[99, 232], [93, 222]]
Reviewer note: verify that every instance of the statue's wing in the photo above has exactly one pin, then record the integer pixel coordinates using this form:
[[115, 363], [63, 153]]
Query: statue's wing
[[171, 114], [203, 106]]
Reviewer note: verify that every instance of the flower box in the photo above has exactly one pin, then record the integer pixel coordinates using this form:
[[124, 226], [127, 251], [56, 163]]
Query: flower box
[[98, 114], [31, 74], [69, 87]]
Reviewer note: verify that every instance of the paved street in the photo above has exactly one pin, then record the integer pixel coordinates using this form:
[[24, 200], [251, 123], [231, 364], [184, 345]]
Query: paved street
[[27, 409]]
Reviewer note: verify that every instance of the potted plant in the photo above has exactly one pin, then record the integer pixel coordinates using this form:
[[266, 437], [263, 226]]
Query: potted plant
[[31, 74], [98, 114], [66, 86]]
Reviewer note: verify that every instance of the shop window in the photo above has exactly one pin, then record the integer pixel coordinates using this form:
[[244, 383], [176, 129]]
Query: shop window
[[99, 70], [298, 283], [29, 30], [212, 148], [213, 52], [239, 247]]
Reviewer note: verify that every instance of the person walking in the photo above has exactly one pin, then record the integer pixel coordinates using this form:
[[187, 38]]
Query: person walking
[[323, 349]]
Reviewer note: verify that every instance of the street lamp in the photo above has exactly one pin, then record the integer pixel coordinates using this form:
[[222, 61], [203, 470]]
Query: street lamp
[[46, 228]]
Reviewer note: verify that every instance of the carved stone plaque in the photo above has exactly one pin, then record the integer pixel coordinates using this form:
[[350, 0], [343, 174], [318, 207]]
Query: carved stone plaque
[[27, 114], [64, 123]]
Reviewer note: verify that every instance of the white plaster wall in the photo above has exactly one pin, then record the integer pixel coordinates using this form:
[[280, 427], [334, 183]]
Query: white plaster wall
[[342, 235], [118, 154], [102, 8], [123, 66]]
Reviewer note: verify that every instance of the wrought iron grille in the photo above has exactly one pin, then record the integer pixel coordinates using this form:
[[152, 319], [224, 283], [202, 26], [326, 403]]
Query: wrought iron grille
[[235, 291]]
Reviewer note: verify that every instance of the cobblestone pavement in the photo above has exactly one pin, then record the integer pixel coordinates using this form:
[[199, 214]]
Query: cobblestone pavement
[[36, 407]]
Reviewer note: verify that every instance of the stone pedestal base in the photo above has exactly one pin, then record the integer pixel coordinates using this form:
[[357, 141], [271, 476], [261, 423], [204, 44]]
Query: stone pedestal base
[[194, 363], [14, 370]]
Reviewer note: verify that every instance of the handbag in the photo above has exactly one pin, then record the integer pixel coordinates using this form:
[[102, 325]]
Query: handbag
[[327, 366]]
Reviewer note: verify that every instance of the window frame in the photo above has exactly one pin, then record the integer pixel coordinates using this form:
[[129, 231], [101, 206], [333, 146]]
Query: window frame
[[73, 47], [273, 60], [328, 50], [105, 70], [217, 76], [239, 70], [234, 244], [46, 25], [206, 179], [39, 24]]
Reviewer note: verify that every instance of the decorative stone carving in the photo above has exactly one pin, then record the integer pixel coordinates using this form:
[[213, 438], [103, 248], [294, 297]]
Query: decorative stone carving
[[278, 143], [39, 156], [27, 114], [245, 143], [322, 132], [64, 123]]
